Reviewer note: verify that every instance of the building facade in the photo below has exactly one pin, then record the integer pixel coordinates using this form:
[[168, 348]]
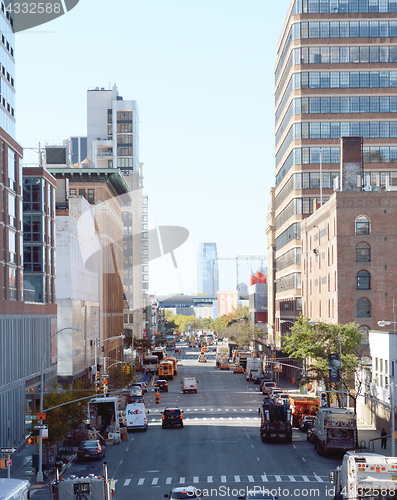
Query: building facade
[[335, 76], [89, 228], [113, 142], [207, 271], [27, 319]]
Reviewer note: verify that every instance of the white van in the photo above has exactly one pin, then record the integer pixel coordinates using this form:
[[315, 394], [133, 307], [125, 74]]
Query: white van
[[136, 416], [189, 384]]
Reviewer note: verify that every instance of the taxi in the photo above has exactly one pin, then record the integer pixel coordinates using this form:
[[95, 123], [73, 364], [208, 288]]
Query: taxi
[[202, 358], [204, 349], [238, 369], [225, 366]]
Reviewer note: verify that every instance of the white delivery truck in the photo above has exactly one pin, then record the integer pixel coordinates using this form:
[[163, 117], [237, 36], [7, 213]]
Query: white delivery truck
[[365, 476], [189, 384], [222, 354], [254, 367], [103, 414], [82, 488], [14, 489], [136, 417], [335, 430]]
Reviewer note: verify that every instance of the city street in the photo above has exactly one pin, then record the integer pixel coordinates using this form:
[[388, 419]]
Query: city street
[[219, 449]]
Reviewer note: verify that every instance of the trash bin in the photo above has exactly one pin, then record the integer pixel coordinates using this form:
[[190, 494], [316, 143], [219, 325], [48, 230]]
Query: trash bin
[[35, 461]]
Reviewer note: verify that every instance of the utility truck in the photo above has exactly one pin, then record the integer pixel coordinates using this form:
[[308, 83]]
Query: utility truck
[[103, 416], [364, 476], [335, 430], [275, 421], [302, 404], [14, 489], [254, 367], [222, 354], [81, 488]]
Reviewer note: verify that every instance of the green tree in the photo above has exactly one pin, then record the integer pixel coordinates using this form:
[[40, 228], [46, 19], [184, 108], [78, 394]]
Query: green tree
[[243, 332], [312, 344], [66, 419], [119, 378]]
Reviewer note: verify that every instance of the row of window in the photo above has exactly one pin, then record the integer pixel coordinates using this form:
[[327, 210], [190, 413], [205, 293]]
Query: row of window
[[345, 55], [344, 80], [335, 130], [304, 156], [343, 6], [88, 194]]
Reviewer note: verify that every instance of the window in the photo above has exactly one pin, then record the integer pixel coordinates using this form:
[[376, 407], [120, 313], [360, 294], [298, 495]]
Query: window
[[362, 252], [363, 308], [72, 192], [91, 197], [363, 280], [82, 192], [363, 225]]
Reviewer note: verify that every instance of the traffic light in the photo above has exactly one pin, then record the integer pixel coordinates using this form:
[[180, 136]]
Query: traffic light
[[128, 369], [157, 398], [317, 405], [34, 440], [124, 368]]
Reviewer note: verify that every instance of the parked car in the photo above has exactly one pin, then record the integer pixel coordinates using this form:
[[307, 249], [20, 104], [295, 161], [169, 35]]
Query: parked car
[[275, 392], [282, 399], [183, 492], [161, 385], [172, 417], [305, 422], [90, 449], [267, 388]]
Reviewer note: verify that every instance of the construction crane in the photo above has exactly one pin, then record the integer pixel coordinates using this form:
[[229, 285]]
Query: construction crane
[[237, 258]]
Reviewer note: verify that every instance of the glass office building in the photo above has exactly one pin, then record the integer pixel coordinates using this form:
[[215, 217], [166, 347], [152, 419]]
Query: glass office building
[[335, 76], [208, 273]]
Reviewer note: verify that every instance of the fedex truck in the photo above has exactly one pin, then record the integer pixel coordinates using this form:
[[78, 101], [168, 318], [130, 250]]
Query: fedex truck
[[136, 417]]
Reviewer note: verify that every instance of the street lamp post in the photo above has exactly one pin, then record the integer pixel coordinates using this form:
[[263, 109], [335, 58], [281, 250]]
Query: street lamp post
[[40, 471], [101, 342], [340, 352]]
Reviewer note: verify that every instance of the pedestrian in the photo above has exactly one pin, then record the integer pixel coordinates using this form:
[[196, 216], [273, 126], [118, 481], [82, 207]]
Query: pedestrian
[[383, 441]]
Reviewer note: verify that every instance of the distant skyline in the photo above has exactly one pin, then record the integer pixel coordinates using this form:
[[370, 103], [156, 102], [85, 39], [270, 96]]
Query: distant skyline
[[202, 74]]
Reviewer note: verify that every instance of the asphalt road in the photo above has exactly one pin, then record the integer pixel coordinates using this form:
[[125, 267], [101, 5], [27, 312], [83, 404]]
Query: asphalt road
[[219, 449]]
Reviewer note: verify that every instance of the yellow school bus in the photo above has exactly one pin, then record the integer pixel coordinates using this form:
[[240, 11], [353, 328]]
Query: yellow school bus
[[166, 370], [174, 362]]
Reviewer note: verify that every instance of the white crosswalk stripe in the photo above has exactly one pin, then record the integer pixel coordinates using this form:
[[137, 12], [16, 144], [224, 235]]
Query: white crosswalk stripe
[[264, 478]]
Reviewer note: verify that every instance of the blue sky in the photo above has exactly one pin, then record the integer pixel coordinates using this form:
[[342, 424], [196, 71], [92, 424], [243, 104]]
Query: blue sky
[[203, 75]]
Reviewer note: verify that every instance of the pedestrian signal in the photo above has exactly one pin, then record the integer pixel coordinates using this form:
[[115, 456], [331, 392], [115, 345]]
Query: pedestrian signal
[[34, 440]]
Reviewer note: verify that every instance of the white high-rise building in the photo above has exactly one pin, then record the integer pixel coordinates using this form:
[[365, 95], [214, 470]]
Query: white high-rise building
[[113, 142]]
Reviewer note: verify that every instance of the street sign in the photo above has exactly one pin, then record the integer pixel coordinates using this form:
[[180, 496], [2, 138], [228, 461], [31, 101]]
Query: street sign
[[31, 417], [8, 450], [8, 463], [36, 427], [41, 416]]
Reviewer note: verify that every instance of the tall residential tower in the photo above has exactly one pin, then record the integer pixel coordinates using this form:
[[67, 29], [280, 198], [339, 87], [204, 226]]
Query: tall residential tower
[[208, 273], [335, 76]]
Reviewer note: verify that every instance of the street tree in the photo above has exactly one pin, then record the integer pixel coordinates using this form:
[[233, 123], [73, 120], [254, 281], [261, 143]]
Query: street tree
[[312, 343], [243, 332]]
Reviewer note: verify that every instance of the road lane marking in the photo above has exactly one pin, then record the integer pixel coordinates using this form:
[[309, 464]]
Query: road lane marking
[[181, 480], [291, 478], [306, 479], [250, 479], [127, 482], [278, 478], [318, 478], [236, 479], [264, 478], [195, 479], [223, 479], [168, 480], [141, 481], [155, 481], [209, 479]]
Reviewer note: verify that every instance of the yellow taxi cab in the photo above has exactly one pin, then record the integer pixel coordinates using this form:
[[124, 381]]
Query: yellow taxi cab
[[204, 349], [202, 358], [238, 369], [225, 366]]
